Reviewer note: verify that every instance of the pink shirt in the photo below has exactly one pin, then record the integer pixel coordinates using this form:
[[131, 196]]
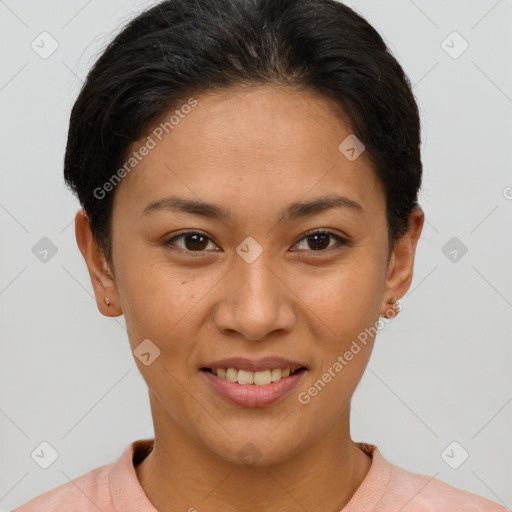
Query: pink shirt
[[386, 488]]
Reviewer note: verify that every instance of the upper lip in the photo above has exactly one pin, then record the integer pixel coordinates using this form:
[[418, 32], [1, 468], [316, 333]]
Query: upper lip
[[256, 365]]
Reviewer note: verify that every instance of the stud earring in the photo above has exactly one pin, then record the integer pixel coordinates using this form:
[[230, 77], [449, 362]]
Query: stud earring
[[107, 301], [397, 306], [395, 302]]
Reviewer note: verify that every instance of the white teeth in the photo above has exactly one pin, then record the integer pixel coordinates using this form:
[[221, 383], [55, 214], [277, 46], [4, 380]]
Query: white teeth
[[276, 374], [262, 377], [232, 374], [259, 378], [245, 377]]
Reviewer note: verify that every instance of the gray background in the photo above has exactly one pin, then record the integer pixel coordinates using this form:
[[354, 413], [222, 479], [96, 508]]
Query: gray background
[[440, 371]]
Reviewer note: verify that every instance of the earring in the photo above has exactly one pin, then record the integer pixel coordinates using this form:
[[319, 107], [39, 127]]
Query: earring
[[107, 301], [396, 302], [397, 307]]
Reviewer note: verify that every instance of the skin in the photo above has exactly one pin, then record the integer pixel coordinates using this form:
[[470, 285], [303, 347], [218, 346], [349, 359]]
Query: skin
[[251, 150]]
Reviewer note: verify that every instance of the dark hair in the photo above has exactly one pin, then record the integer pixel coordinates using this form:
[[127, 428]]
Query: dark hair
[[183, 47]]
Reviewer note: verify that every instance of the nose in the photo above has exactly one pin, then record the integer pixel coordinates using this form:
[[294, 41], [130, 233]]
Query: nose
[[255, 300]]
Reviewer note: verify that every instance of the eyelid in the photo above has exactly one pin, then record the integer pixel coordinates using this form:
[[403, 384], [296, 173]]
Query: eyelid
[[181, 234], [341, 239], [323, 230]]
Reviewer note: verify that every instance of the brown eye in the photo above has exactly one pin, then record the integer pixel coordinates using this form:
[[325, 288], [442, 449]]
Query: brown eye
[[192, 241], [319, 241]]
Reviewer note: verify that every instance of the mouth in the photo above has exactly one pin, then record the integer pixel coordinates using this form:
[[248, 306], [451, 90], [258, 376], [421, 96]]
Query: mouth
[[252, 384], [258, 378]]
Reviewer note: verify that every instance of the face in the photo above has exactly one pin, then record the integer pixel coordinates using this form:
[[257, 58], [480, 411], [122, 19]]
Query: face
[[288, 276]]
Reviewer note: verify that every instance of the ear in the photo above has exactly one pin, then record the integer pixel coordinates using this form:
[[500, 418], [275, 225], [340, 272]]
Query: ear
[[102, 278], [401, 263]]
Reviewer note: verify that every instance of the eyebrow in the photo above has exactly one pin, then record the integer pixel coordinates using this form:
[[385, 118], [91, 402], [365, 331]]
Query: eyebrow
[[298, 209]]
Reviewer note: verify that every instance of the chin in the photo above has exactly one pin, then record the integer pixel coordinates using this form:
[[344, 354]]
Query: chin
[[257, 450]]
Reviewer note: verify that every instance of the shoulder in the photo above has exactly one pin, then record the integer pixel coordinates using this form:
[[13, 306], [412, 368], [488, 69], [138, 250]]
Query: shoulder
[[422, 493], [85, 493], [390, 488], [112, 486]]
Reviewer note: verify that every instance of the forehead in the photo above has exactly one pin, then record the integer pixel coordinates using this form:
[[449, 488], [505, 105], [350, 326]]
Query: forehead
[[259, 139]]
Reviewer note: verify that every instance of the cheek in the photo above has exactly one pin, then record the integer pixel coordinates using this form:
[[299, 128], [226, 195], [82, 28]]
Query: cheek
[[168, 302], [165, 304], [348, 298]]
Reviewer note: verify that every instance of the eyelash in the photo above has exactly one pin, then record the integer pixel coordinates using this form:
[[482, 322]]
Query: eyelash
[[341, 240]]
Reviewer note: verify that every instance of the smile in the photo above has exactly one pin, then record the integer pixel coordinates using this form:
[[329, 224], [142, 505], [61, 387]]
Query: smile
[[253, 389], [260, 378]]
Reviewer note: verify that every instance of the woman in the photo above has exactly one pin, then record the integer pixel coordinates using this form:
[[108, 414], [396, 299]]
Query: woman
[[249, 173]]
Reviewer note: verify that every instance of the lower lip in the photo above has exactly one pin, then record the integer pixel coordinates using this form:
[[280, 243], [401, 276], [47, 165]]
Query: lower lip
[[252, 395]]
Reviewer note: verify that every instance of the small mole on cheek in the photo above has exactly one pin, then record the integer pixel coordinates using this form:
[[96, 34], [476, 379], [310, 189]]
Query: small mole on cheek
[[184, 282]]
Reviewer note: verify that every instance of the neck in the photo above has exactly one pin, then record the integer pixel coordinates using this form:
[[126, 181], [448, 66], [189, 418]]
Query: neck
[[182, 474]]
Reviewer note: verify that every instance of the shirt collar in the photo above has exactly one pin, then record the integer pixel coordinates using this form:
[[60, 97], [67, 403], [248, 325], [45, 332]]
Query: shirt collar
[[128, 494]]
